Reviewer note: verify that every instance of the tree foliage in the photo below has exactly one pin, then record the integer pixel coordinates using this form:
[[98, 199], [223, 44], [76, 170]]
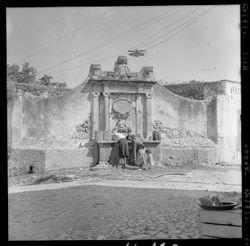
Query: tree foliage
[[26, 76], [46, 80], [13, 73]]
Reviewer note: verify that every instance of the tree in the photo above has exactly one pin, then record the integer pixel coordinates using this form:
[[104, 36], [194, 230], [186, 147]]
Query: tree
[[13, 74], [46, 80], [26, 76]]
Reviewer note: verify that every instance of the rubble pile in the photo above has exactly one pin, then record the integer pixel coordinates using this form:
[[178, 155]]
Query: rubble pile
[[180, 136]]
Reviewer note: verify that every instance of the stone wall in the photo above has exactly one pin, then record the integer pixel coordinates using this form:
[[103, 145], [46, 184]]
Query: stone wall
[[49, 133], [188, 155], [44, 132], [223, 113], [175, 111], [47, 159], [43, 122], [22, 158], [229, 123]]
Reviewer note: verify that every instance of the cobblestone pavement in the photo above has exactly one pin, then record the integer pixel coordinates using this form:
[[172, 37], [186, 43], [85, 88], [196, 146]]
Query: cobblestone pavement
[[99, 212]]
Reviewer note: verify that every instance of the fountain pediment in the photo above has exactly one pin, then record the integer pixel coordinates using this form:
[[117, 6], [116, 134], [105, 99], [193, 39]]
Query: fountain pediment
[[121, 72]]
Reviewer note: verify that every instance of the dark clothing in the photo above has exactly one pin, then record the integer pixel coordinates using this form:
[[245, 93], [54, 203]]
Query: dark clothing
[[123, 148], [136, 144]]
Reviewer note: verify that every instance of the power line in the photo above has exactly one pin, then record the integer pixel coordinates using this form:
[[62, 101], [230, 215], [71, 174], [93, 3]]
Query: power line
[[109, 41], [66, 35], [195, 19], [154, 35], [92, 62]]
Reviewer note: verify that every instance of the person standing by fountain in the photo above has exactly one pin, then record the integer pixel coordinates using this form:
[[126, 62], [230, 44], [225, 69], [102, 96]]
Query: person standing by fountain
[[123, 147]]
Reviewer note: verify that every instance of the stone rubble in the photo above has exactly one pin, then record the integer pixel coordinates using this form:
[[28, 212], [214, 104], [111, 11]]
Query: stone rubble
[[180, 136]]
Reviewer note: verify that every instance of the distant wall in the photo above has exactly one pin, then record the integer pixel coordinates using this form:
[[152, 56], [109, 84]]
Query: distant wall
[[175, 111]]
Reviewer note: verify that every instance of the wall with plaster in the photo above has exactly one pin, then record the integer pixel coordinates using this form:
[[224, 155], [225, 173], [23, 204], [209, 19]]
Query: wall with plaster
[[229, 123], [52, 120], [175, 111]]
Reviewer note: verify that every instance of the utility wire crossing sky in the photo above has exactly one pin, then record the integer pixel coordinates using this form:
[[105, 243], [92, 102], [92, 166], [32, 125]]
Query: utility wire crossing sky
[[182, 43]]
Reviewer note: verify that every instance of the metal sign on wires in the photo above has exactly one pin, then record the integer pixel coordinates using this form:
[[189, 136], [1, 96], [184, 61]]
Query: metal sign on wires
[[136, 52]]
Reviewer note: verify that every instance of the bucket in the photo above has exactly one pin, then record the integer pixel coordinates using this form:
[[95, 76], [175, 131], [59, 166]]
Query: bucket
[[156, 136]]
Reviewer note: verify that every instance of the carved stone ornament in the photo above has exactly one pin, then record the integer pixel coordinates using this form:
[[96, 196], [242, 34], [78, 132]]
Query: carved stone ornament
[[147, 73], [122, 106], [121, 68], [95, 70]]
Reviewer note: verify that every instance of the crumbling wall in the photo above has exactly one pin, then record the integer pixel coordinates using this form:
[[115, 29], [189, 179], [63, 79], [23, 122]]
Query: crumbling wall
[[51, 122], [179, 112]]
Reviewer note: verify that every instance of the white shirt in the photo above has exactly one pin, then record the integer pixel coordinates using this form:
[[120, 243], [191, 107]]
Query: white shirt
[[119, 135]]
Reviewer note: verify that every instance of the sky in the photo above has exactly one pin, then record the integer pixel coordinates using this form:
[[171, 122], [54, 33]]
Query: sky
[[182, 43]]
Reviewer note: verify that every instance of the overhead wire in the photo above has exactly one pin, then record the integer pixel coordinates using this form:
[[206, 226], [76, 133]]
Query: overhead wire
[[67, 34], [185, 26], [115, 38], [162, 29], [88, 63]]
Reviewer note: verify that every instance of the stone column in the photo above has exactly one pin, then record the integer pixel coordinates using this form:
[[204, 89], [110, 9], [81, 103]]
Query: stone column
[[149, 114], [95, 118], [139, 114], [106, 110]]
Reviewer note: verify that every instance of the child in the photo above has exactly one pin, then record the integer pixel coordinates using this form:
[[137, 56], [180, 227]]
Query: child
[[141, 160], [150, 160]]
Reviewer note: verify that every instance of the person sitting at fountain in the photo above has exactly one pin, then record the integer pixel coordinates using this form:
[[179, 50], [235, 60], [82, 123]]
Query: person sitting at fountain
[[122, 145]]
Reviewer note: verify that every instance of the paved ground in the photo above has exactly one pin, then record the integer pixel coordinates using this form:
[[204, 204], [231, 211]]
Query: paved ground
[[99, 212], [105, 204]]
